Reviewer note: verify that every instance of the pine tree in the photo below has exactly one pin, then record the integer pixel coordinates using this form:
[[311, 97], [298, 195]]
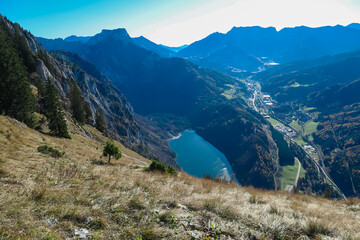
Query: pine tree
[[16, 98], [111, 150], [53, 112], [77, 103], [100, 121]]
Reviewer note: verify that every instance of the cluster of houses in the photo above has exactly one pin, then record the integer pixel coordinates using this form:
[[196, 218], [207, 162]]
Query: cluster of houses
[[310, 149], [285, 130], [267, 100]]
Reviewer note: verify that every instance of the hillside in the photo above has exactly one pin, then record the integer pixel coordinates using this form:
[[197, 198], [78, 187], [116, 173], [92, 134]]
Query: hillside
[[98, 92], [54, 197]]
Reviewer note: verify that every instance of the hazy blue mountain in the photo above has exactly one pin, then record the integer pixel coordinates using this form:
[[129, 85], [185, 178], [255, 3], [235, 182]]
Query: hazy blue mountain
[[151, 46], [354, 26], [297, 80], [174, 49], [231, 60], [203, 47], [270, 45], [74, 38]]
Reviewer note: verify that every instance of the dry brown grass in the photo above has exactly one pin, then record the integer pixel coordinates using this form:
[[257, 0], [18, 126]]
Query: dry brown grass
[[48, 198]]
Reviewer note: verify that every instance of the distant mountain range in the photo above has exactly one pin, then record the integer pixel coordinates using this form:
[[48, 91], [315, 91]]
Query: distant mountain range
[[267, 46], [161, 50], [246, 50]]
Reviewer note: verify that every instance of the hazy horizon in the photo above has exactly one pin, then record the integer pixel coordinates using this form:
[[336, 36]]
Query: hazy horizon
[[174, 23]]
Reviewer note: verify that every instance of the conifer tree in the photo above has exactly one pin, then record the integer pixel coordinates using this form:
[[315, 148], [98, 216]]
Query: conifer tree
[[77, 103], [110, 149], [16, 98], [100, 121], [53, 112]]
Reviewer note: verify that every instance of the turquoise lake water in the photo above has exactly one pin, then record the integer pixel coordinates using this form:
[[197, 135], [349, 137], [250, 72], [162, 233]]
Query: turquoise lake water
[[198, 157]]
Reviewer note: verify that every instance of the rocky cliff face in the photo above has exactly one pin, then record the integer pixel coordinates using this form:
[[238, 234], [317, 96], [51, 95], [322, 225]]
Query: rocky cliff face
[[62, 67]]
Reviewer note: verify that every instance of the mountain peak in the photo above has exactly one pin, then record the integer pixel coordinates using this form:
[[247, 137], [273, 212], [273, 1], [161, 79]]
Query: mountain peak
[[354, 26], [252, 30], [119, 34]]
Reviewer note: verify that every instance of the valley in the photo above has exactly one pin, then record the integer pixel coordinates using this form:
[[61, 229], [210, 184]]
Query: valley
[[180, 120], [293, 132]]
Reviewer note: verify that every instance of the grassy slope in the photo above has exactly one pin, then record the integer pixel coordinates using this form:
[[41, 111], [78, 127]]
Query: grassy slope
[[300, 140], [289, 174], [310, 128], [127, 203]]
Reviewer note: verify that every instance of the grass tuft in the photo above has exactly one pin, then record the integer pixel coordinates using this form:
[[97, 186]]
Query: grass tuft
[[314, 228], [167, 217], [135, 203], [256, 200], [150, 234], [38, 194], [273, 210], [212, 204]]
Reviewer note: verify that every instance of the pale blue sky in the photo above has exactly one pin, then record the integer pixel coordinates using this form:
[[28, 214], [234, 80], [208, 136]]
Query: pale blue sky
[[172, 22]]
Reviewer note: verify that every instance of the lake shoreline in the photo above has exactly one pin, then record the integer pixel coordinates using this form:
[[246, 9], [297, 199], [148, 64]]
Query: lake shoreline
[[180, 134], [198, 157]]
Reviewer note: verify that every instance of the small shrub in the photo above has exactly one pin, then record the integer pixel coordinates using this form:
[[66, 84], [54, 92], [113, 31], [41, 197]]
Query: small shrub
[[171, 170], [157, 166], [313, 228], [53, 152], [160, 167], [208, 177]]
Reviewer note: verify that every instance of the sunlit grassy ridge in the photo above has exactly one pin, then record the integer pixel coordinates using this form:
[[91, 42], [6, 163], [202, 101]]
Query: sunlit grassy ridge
[[43, 197]]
